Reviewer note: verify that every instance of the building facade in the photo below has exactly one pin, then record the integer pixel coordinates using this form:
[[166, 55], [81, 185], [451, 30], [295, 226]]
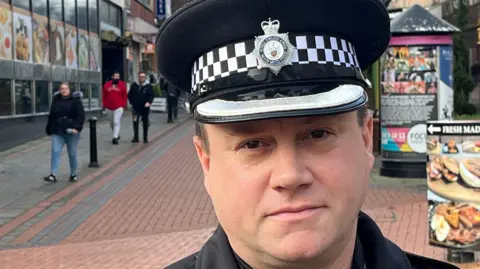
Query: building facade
[[42, 44]]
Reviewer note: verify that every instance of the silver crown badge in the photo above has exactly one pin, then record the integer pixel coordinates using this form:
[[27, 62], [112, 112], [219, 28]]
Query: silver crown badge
[[273, 50], [270, 27]]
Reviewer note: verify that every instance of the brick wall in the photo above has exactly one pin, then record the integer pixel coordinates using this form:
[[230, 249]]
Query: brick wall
[[139, 10]]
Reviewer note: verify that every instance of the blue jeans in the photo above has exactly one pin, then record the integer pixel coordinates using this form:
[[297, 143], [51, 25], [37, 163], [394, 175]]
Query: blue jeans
[[58, 140]]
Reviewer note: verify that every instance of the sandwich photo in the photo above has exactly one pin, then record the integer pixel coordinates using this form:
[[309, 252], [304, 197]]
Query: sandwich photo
[[470, 172], [451, 169], [471, 146], [433, 146]]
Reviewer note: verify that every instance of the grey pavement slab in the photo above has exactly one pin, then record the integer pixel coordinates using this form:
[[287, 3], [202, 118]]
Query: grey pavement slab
[[22, 168]]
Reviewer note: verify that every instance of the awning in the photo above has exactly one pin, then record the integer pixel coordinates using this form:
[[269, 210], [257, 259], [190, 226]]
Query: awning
[[142, 27]]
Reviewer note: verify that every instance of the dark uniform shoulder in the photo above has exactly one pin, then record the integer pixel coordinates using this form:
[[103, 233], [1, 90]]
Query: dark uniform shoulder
[[420, 262], [185, 263]]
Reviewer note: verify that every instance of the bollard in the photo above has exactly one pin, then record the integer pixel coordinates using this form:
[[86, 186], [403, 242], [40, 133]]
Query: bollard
[[93, 143]]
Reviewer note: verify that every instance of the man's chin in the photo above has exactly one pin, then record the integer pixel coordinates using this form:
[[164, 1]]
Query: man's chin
[[300, 246]]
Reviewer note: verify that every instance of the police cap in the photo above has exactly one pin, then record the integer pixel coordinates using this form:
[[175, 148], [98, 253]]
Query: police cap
[[246, 60]]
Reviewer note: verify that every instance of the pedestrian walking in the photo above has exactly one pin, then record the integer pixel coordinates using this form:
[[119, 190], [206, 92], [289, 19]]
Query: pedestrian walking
[[64, 125], [141, 98], [283, 136], [114, 101], [173, 94]]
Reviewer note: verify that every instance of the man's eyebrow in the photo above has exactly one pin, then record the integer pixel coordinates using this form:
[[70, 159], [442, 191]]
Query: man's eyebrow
[[250, 128]]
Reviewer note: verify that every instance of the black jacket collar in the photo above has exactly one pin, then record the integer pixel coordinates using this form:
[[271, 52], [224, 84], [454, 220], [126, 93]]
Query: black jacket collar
[[372, 251]]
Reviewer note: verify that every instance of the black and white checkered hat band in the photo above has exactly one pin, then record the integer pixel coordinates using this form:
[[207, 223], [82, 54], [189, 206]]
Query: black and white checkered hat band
[[238, 58]]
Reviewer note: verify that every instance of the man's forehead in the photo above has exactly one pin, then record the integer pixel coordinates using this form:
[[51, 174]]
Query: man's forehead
[[252, 127]]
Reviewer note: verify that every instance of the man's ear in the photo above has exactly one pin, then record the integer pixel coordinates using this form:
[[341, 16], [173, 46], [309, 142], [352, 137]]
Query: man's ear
[[367, 135], [204, 159]]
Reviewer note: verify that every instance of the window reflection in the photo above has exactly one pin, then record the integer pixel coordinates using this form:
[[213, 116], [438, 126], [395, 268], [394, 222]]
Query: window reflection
[[5, 97], [69, 9], [40, 7], [23, 97], [55, 87], [84, 88], [41, 96], [55, 8], [82, 14], [92, 16], [25, 4], [95, 100]]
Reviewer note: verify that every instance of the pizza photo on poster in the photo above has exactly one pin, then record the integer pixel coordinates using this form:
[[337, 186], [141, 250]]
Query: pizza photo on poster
[[409, 86]]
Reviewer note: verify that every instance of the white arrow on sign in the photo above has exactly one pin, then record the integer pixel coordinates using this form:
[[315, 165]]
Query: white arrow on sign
[[432, 129]]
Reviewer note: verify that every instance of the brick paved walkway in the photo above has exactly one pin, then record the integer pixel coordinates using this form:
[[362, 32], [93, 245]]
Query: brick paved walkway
[[152, 210]]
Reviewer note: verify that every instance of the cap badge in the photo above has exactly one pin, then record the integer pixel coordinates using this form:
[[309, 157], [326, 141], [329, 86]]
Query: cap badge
[[273, 50]]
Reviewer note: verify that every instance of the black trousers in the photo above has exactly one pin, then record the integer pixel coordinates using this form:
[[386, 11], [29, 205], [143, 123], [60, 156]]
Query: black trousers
[[142, 115], [172, 104]]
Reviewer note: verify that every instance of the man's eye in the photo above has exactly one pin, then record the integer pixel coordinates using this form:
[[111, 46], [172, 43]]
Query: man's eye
[[317, 134], [254, 144]]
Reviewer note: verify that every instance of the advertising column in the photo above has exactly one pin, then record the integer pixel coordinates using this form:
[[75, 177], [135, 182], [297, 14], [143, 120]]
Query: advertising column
[[453, 179], [409, 99]]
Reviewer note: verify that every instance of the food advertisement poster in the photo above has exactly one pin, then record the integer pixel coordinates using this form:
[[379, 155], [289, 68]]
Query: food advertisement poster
[[71, 41], [5, 31], [22, 29], [83, 50], [453, 179], [409, 85], [94, 52], [41, 47], [445, 84], [57, 41]]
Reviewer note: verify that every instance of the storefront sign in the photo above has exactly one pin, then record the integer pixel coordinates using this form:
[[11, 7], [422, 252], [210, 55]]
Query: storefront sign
[[408, 100], [453, 179], [161, 12], [149, 48]]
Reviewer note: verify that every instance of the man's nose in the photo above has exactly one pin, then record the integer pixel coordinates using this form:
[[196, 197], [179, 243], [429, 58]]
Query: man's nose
[[290, 172]]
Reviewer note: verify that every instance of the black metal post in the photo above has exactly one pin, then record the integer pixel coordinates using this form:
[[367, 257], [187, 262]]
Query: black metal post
[[93, 143]]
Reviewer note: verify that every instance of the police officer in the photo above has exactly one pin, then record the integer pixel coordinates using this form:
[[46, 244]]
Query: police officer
[[283, 134]]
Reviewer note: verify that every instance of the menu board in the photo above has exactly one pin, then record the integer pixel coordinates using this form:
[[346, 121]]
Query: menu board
[[41, 48], [453, 179], [5, 31], [22, 31], [408, 99]]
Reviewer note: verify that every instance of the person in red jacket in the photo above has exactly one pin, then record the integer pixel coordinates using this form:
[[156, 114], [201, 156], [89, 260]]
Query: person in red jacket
[[115, 102]]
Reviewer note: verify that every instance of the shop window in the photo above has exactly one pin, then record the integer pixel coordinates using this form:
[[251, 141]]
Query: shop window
[[5, 97], [84, 88], [40, 7], [25, 4], [23, 97], [56, 11], [56, 87], [41, 96], [92, 16], [146, 3], [95, 100], [69, 9], [82, 21], [104, 12], [115, 16]]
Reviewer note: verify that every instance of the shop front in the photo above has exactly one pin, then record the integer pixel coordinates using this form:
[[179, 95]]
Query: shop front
[[42, 44]]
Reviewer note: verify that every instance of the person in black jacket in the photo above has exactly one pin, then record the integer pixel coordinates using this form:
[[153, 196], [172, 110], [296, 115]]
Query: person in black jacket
[[284, 136], [141, 98], [173, 94], [65, 122]]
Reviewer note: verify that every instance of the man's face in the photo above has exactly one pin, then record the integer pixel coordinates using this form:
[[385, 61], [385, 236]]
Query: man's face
[[288, 190], [141, 77], [116, 76]]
